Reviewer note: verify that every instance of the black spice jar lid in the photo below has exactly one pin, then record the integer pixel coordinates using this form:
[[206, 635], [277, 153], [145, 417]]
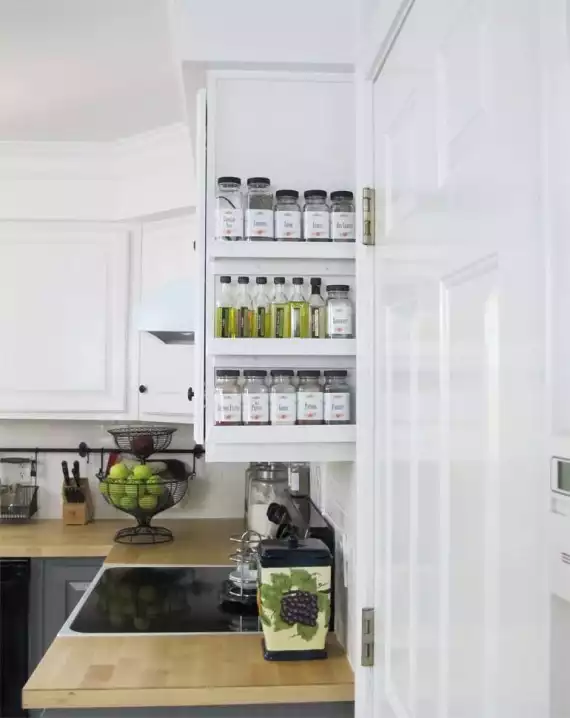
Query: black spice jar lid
[[244, 280], [313, 373], [342, 194], [255, 372], [227, 372], [287, 193], [261, 280], [292, 552], [298, 280], [225, 280], [321, 193], [229, 180], [282, 372], [335, 372], [338, 288], [279, 280], [265, 181]]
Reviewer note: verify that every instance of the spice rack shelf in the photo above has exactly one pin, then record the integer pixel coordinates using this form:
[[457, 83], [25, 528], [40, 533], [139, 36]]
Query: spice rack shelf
[[282, 250], [282, 443], [282, 347]]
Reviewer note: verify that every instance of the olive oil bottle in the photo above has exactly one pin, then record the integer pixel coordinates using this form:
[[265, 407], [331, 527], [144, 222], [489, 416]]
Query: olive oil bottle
[[224, 310], [261, 309], [243, 311], [279, 311], [298, 311], [317, 311]]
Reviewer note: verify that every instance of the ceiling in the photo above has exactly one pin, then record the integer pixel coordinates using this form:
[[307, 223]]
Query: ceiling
[[86, 70]]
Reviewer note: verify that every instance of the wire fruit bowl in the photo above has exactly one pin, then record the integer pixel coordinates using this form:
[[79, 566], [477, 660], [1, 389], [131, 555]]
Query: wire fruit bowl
[[142, 441]]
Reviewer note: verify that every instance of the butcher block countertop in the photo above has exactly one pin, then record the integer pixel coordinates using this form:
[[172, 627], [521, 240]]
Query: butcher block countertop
[[159, 671], [164, 671]]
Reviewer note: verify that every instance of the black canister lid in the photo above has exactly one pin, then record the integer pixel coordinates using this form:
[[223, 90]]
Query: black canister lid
[[313, 373], [342, 194], [227, 372], [338, 288], [321, 193], [258, 180], [287, 193], [335, 372], [282, 372], [293, 552], [229, 180], [255, 372]]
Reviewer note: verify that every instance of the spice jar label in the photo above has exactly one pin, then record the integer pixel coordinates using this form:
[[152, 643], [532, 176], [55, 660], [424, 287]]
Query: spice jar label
[[342, 225], [255, 408], [340, 321], [337, 407], [260, 223], [229, 223], [309, 406], [287, 225], [283, 409], [316, 225], [228, 409]]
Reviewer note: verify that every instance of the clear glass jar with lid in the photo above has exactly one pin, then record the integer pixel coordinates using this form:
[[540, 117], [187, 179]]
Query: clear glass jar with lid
[[282, 398], [316, 216], [342, 216], [309, 397], [229, 209], [227, 398], [267, 485], [255, 400], [337, 397], [287, 216], [339, 312], [259, 219]]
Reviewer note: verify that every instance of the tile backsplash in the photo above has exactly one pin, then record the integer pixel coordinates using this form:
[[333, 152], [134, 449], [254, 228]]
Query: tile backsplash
[[217, 491]]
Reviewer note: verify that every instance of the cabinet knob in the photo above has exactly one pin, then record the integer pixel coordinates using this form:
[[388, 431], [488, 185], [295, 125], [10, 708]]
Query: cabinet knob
[[142, 388], [190, 394]]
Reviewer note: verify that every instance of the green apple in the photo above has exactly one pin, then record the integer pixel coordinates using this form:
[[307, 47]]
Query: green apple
[[148, 503], [142, 472], [119, 472], [133, 490], [104, 488], [154, 486], [128, 503], [116, 491]]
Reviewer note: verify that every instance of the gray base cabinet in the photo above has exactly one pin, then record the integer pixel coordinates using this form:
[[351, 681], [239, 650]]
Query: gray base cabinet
[[56, 587]]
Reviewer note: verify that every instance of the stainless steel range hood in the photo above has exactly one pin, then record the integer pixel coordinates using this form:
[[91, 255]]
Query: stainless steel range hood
[[168, 313]]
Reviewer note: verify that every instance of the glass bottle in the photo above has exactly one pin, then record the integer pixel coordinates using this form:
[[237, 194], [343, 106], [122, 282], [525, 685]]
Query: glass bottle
[[317, 311], [229, 209], [268, 485], [224, 309], [261, 304], [279, 310], [298, 311], [336, 397], [342, 216], [316, 216], [259, 219], [309, 397], [255, 401], [243, 311], [227, 398], [282, 398], [287, 216], [339, 312]]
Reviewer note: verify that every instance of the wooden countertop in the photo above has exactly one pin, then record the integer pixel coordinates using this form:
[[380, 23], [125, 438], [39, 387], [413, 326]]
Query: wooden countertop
[[111, 672]]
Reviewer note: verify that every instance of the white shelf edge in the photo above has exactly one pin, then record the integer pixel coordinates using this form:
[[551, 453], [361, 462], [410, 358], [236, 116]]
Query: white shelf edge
[[282, 250], [282, 347]]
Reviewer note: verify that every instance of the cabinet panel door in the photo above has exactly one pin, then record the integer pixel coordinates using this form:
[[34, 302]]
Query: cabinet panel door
[[166, 370], [63, 319]]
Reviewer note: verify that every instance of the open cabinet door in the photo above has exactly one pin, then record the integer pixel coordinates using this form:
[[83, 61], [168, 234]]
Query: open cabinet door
[[461, 474], [200, 275]]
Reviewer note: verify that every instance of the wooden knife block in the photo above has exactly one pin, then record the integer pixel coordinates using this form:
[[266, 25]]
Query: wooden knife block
[[78, 514]]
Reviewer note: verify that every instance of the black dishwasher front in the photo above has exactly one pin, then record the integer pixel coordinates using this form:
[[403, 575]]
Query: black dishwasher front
[[14, 645]]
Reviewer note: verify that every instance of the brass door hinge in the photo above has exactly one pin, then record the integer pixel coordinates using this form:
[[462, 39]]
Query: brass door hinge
[[367, 655], [368, 216]]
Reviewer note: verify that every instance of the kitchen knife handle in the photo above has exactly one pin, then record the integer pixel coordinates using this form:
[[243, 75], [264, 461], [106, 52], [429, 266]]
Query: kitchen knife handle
[[65, 472], [76, 473]]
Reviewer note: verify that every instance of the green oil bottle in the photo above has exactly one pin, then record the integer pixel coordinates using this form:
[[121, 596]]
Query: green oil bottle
[[224, 323], [279, 311], [243, 311], [298, 311], [261, 309]]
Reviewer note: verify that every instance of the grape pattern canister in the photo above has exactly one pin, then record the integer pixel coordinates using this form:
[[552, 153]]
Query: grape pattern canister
[[294, 598]]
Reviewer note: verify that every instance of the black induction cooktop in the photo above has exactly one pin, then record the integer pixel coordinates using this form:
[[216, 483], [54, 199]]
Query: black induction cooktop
[[170, 599]]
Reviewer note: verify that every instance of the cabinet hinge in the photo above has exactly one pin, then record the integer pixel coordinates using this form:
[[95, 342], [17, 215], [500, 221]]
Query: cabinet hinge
[[368, 218], [367, 655]]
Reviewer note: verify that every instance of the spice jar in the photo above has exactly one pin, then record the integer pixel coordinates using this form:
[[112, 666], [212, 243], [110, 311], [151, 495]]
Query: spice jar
[[336, 397], [342, 216], [309, 397], [316, 216], [255, 397], [229, 209], [339, 312], [282, 398], [259, 209], [227, 398], [287, 215]]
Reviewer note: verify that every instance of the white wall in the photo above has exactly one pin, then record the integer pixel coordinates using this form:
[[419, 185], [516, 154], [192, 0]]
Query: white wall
[[217, 492]]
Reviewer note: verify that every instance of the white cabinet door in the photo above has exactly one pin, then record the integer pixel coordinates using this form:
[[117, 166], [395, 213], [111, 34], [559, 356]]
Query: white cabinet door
[[63, 319], [166, 371], [461, 475]]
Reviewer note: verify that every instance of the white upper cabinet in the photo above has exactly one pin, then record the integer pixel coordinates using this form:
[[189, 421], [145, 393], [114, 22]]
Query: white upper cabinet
[[63, 319], [166, 371]]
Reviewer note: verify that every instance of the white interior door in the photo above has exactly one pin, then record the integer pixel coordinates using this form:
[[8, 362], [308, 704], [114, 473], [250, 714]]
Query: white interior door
[[461, 474]]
